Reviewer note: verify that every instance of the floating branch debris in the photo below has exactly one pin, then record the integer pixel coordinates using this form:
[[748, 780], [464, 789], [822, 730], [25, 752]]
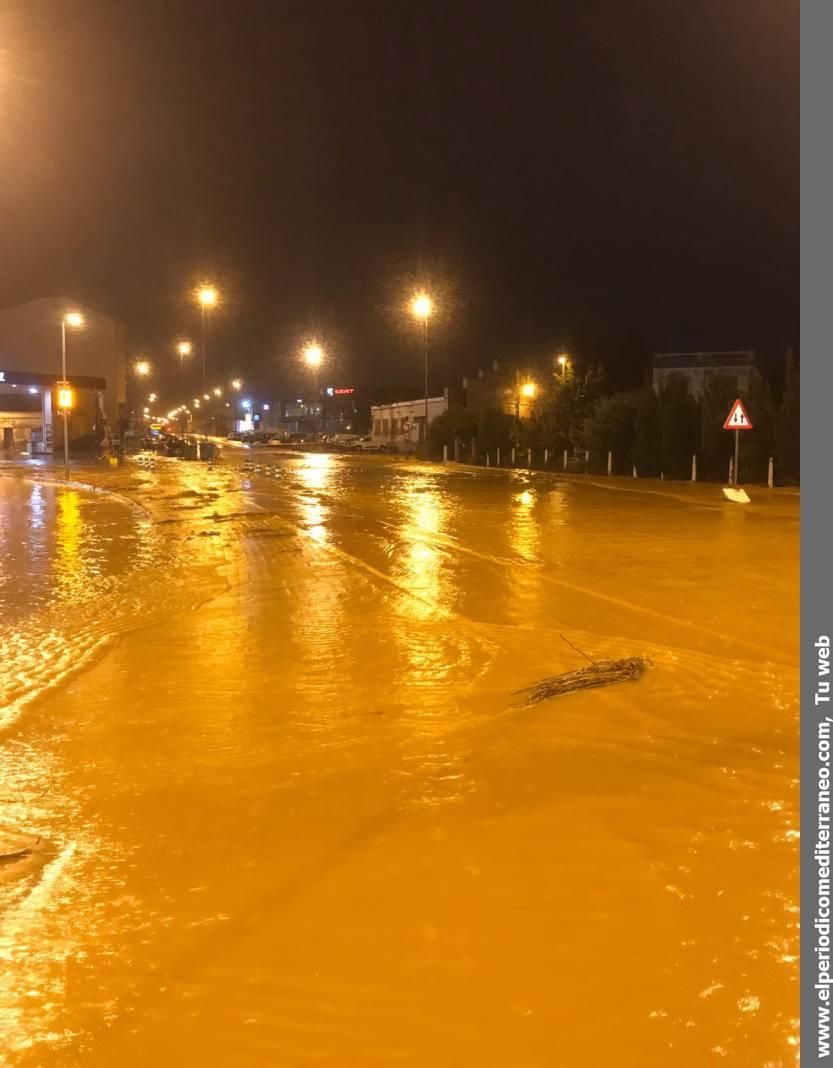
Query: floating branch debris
[[599, 673]]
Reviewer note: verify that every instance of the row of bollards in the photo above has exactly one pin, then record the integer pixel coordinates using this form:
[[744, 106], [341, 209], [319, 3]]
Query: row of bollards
[[635, 474]]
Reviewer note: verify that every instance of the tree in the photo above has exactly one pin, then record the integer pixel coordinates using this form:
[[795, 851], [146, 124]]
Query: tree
[[679, 418], [454, 422], [611, 428], [758, 444], [646, 435], [716, 444], [787, 428], [494, 430]]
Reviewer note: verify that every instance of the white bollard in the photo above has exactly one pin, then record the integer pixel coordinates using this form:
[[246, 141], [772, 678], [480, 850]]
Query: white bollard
[[546, 457], [586, 460], [488, 461], [565, 459], [662, 476], [529, 457], [445, 454], [770, 477], [610, 463], [513, 455], [498, 456], [731, 470], [634, 472], [694, 467]]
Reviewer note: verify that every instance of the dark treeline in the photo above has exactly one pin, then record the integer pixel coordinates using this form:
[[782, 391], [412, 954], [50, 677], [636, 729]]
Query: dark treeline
[[656, 433]]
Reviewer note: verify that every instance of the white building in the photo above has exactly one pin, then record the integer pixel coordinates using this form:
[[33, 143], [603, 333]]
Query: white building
[[699, 368], [30, 368], [401, 426]]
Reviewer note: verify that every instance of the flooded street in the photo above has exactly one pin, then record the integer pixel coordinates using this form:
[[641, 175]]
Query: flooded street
[[293, 812]]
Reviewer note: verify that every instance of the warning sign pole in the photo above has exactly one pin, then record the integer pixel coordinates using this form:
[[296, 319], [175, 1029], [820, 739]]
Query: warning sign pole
[[737, 445], [737, 420]]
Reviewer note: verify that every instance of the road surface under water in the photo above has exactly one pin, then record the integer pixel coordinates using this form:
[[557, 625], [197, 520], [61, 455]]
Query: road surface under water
[[294, 813]]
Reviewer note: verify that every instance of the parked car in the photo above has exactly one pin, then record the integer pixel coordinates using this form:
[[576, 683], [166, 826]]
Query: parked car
[[342, 441], [367, 444]]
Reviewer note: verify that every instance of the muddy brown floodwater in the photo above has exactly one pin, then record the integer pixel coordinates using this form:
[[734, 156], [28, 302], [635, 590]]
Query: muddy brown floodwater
[[290, 812]]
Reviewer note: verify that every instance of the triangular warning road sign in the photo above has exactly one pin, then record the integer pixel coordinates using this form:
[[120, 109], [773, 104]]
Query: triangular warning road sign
[[737, 418]]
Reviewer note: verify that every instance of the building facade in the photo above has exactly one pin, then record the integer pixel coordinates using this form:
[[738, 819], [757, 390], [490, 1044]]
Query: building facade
[[401, 426], [698, 368], [30, 369]]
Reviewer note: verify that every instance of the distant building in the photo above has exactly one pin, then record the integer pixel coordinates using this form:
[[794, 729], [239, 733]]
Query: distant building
[[401, 425], [698, 368], [30, 368]]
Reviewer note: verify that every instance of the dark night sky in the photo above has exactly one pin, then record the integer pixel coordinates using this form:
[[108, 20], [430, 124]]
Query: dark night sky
[[565, 172]]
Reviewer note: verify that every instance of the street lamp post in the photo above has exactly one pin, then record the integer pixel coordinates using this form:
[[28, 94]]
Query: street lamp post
[[314, 357], [142, 368], [74, 319], [183, 349], [422, 306], [207, 296], [236, 385]]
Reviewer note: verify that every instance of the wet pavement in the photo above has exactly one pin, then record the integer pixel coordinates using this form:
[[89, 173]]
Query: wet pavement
[[292, 811]]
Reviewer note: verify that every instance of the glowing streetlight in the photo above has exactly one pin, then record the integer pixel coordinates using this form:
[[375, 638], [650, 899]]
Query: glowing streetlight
[[217, 392], [207, 297], [236, 384], [421, 308], [563, 361], [142, 368], [183, 350], [151, 398], [65, 395], [527, 390], [313, 355]]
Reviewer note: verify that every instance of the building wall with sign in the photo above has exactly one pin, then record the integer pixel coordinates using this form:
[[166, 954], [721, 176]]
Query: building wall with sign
[[30, 342], [401, 426]]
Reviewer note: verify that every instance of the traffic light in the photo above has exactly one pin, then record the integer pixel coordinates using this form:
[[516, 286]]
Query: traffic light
[[66, 397]]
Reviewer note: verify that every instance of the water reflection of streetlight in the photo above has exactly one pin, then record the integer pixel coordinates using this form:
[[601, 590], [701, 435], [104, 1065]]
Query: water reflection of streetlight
[[69, 541], [524, 532]]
